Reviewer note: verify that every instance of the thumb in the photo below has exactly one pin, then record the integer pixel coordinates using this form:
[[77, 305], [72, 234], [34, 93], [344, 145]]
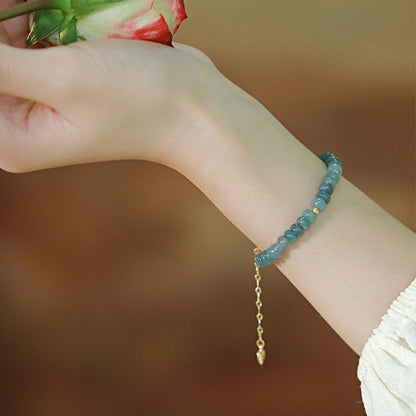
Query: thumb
[[4, 37]]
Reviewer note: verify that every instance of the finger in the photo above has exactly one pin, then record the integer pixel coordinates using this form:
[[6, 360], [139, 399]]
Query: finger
[[18, 27], [4, 37], [35, 74]]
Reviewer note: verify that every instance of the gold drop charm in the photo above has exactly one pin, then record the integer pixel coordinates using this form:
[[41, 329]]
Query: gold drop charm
[[261, 353]]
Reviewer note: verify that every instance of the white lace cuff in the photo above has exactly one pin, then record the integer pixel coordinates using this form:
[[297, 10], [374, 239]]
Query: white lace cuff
[[387, 366]]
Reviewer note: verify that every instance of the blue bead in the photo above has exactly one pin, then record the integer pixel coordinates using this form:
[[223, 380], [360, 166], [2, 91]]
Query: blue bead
[[309, 215], [324, 195], [335, 166], [319, 203], [298, 231], [332, 160], [266, 257], [333, 177], [329, 180], [334, 174], [290, 235], [304, 222], [283, 242], [326, 187], [325, 156], [261, 259], [328, 158], [275, 251]]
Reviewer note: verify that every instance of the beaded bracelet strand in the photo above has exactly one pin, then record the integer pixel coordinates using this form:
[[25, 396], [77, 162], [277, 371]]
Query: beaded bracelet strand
[[274, 252]]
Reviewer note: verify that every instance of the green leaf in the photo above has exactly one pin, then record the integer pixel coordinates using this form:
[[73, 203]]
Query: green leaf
[[84, 7], [68, 32], [45, 22]]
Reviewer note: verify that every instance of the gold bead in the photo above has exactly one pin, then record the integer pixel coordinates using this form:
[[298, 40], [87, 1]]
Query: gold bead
[[261, 356], [315, 210]]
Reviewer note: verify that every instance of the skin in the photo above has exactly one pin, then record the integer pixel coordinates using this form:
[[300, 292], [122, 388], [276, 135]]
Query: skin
[[345, 265]]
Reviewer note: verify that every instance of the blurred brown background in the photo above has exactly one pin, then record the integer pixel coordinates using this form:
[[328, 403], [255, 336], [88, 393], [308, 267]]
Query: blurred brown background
[[124, 291]]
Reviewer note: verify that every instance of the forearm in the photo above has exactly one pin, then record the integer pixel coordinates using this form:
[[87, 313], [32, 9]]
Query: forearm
[[354, 260]]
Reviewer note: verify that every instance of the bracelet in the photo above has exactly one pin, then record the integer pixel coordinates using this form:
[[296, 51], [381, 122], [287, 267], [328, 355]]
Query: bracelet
[[274, 252]]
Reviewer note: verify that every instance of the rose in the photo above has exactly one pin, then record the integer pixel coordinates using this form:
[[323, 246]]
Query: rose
[[57, 22]]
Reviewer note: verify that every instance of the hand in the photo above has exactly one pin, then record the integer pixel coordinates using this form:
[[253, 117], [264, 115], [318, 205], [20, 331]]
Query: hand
[[97, 100]]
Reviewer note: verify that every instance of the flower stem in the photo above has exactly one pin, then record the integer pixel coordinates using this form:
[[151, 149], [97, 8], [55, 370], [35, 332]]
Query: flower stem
[[29, 7]]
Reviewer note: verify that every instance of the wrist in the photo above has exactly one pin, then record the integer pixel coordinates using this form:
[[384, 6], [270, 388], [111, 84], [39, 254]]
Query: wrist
[[249, 166], [236, 145]]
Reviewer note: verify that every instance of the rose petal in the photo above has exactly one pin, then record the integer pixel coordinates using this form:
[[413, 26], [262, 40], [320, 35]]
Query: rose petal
[[157, 31], [100, 23]]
